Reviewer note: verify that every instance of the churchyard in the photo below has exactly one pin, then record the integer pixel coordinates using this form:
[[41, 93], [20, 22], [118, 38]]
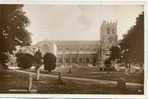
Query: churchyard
[[76, 82], [106, 65], [14, 81]]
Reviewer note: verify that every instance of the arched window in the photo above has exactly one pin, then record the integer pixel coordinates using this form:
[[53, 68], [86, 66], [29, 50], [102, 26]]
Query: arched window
[[73, 60], [87, 60], [67, 60], [80, 60]]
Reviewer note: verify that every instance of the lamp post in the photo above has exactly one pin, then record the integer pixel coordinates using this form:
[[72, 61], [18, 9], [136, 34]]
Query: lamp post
[[126, 58]]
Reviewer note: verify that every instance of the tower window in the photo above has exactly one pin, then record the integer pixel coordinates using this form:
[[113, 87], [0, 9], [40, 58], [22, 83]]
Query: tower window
[[107, 30]]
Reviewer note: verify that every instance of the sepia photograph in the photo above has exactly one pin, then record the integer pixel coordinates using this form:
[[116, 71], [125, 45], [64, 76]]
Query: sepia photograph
[[72, 49]]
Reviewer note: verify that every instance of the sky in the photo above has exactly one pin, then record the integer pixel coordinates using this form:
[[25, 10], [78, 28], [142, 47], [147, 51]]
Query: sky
[[78, 22]]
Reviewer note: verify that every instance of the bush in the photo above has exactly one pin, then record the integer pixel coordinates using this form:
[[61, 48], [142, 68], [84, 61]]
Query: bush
[[49, 61], [108, 66], [3, 60], [11, 60], [24, 60]]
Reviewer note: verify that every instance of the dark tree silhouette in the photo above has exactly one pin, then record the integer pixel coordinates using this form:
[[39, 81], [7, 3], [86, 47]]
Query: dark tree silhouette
[[38, 59], [12, 29], [115, 53], [133, 43], [49, 61], [25, 60]]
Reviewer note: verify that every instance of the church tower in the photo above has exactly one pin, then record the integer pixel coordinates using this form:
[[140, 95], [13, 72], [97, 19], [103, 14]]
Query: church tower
[[108, 38]]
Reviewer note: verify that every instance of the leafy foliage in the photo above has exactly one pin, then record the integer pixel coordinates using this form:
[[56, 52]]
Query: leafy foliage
[[12, 28], [107, 64], [25, 60], [49, 61], [3, 60], [133, 41], [115, 53], [11, 61]]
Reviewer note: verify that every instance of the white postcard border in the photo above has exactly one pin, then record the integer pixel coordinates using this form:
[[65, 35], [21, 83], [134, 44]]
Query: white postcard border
[[90, 2]]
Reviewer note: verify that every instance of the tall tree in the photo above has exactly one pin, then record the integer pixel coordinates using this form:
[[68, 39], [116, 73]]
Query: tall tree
[[133, 42], [38, 58], [115, 53], [13, 23], [49, 61]]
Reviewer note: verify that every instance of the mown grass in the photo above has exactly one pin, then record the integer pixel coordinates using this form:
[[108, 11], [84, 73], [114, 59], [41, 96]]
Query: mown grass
[[92, 73], [14, 80]]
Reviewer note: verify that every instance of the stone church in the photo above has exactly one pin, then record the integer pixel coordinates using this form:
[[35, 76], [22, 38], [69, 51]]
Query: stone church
[[83, 52]]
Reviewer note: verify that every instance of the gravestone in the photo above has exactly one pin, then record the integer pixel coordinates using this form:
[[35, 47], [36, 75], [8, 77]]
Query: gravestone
[[60, 81], [121, 83]]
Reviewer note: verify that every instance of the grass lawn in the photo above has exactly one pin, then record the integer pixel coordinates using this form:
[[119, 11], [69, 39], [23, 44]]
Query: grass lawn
[[92, 73], [14, 80], [114, 76]]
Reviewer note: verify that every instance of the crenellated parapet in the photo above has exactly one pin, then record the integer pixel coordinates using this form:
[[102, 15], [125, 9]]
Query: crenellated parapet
[[108, 33]]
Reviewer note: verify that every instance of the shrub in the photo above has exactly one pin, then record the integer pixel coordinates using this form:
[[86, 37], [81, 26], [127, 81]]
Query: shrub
[[108, 66], [3, 60], [49, 61], [11, 60], [24, 60]]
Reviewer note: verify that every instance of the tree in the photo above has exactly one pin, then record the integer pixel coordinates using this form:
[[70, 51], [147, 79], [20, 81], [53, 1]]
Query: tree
[[13, 23], [38, 58], [115, 53], [25, 60], [132, 43], [3, 59], [49, 61]]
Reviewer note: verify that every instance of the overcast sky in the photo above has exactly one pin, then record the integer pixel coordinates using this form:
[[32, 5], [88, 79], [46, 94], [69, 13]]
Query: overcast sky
[[78, 22]]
